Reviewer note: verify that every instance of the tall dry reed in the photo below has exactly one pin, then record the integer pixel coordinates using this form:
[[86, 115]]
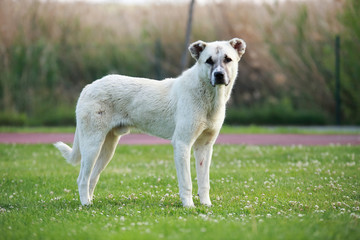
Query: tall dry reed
[[50, 50]]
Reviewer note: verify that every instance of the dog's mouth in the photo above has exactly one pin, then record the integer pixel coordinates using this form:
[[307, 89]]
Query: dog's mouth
[[218, 84], [222, 82]]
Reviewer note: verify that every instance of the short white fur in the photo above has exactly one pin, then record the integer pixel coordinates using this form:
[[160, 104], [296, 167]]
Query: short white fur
[[189, 110]]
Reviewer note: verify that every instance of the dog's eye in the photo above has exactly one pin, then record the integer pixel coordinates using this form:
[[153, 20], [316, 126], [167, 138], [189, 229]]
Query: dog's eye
[[227, 59], [210, 61]]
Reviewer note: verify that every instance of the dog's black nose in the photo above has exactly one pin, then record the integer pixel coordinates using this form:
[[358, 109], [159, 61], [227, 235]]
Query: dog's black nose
[[219, 75]]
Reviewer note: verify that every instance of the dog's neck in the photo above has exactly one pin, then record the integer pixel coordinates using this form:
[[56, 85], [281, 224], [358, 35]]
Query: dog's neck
[[220, 93]]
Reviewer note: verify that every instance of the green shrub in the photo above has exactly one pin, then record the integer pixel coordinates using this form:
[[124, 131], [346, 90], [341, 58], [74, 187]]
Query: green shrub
[[12, 119], [275, 114], [56, 116]]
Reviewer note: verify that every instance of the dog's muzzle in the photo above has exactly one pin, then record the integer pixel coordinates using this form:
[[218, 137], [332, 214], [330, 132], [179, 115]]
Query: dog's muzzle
[[219, 78]]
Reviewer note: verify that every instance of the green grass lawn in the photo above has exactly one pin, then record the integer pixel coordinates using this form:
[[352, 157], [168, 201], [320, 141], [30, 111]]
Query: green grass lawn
[[269, 192]]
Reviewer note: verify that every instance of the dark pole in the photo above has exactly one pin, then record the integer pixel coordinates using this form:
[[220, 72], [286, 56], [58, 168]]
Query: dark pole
[[337, 80], [184, 59], [158, 56]]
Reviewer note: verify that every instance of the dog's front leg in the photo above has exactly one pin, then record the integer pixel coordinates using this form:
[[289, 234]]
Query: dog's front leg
[[203, 153], [182, 164]]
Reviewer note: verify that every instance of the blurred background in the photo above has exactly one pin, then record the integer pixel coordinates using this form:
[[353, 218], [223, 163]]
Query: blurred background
[[49, 50]]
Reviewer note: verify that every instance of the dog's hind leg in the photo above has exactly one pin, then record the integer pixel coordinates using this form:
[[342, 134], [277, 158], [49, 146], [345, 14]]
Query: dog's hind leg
[[106, 154], [90, 147]]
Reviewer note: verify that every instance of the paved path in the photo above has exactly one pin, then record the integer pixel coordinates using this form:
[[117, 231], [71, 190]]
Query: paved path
[[245, 139]]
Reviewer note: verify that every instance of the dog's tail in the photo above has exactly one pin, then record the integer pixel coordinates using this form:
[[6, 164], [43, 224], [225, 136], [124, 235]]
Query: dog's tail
[[72, 156]]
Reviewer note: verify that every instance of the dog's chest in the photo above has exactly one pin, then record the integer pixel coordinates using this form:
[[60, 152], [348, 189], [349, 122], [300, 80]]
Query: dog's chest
[[214, 104]]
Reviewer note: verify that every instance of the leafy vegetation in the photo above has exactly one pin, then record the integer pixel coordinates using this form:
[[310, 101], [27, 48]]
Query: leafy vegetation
[[271, 192], [350, 74], [51, 50]]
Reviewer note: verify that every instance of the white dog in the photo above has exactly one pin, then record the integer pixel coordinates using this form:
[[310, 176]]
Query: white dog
[[189, 110]]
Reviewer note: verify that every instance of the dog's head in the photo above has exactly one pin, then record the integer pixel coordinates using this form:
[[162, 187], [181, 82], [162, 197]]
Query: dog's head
[[218, 60]]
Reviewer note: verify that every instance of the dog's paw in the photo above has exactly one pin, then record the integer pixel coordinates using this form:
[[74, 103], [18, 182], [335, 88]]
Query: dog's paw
[[205, 199], [189, 203], [85, 202], [206, 203]]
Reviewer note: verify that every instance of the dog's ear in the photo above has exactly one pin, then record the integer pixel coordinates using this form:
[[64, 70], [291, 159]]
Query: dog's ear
[[196, 48], [239, 45]]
